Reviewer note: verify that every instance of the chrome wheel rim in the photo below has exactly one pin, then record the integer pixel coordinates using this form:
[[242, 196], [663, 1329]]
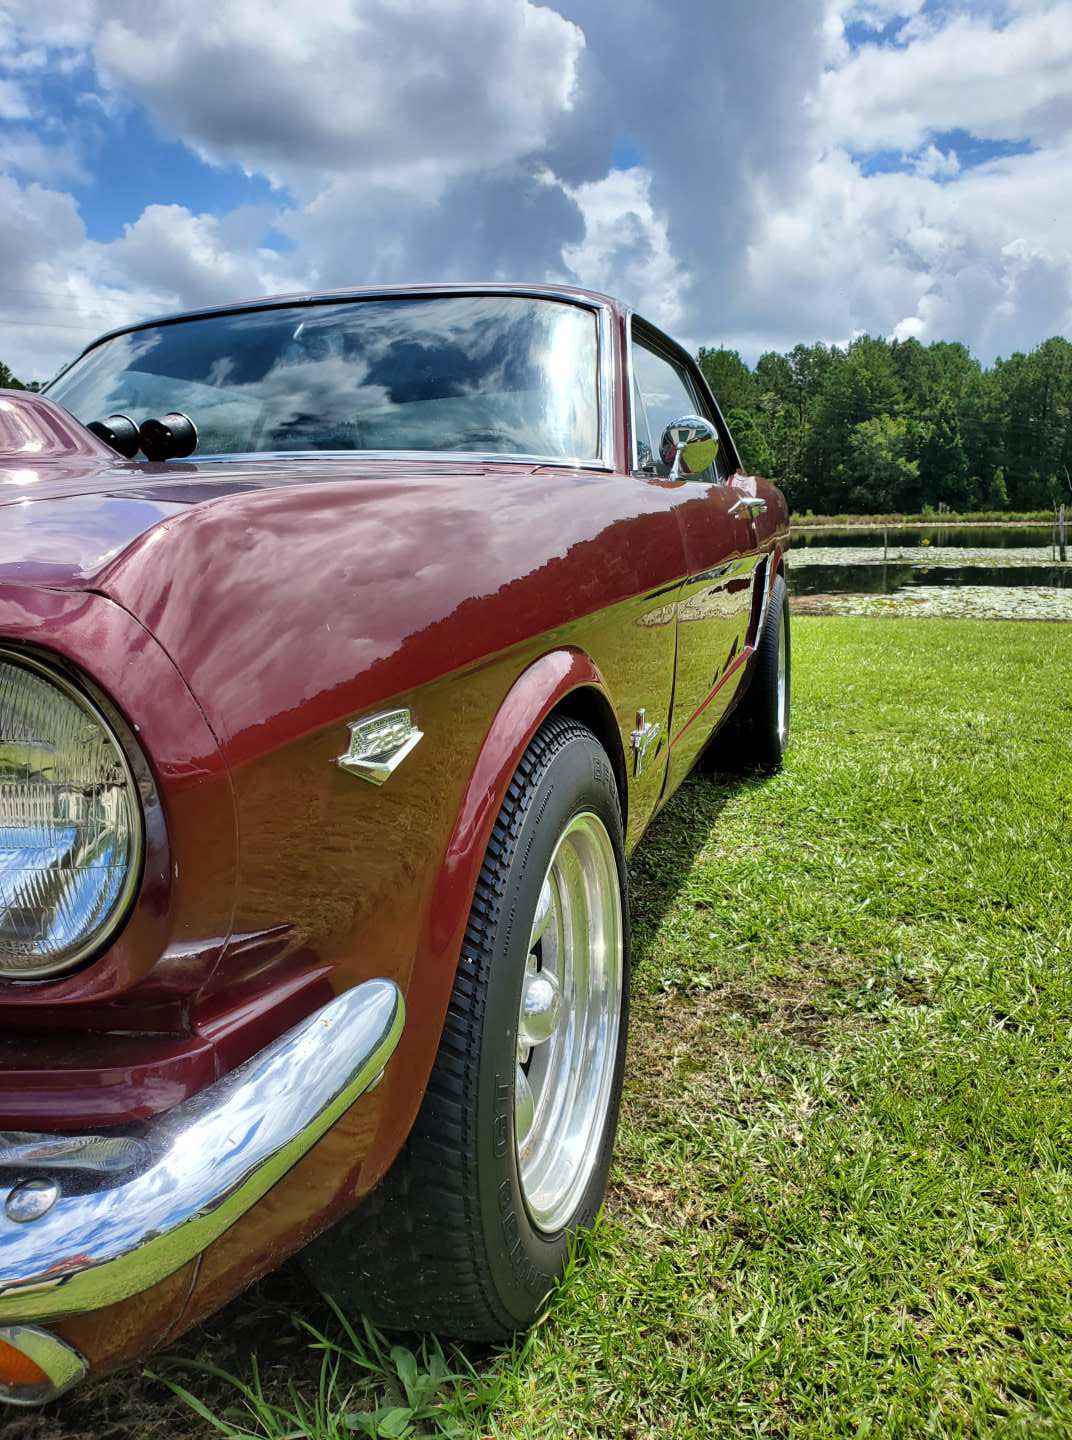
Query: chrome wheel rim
[[567, 1033], [783, 689]]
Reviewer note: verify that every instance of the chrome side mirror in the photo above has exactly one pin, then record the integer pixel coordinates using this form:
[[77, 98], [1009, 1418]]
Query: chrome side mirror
[[689, 446]]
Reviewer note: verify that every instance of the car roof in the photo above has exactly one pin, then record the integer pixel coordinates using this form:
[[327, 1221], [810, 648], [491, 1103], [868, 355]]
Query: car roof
[[571, 293]]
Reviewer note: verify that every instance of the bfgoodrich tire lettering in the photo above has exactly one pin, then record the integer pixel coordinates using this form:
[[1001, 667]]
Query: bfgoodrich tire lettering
[[446, 1242]]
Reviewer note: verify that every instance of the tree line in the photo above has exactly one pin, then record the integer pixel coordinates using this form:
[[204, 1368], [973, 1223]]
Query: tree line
[[893, 425]]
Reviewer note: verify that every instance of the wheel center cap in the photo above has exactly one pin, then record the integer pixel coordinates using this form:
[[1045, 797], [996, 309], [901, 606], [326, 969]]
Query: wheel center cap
[[541, 1005]]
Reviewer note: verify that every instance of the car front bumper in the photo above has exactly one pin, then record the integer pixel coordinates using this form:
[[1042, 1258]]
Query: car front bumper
[[86, 1221]]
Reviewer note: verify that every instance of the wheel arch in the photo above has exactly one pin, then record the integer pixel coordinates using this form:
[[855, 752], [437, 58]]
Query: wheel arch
[[589, 705], [566, 682]]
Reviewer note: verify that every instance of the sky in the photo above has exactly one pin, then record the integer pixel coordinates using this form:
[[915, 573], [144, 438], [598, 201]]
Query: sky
[[748, 173]]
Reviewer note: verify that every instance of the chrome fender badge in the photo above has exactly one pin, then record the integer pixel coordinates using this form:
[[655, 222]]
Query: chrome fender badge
[[379, 744]]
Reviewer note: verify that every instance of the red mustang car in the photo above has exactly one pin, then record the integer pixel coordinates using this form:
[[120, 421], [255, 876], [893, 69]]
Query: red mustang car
[[348, 643]]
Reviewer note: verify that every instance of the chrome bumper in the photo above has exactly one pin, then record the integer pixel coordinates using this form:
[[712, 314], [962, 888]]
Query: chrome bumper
[[86, 1221]]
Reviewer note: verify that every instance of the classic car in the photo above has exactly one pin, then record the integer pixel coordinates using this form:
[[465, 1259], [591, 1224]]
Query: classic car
[[348, 644]]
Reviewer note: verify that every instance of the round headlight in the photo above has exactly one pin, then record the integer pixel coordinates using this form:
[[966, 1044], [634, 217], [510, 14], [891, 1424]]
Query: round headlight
[[70, 823]]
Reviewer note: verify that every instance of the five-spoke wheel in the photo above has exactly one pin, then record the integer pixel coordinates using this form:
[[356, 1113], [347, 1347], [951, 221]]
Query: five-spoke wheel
[[567, 1027]]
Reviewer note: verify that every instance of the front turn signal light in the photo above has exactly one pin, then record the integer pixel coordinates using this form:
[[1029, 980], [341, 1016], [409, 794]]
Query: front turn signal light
[[35, 1365]]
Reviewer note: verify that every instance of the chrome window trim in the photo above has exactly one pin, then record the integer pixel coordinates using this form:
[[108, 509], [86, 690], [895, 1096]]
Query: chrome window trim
[[600, 308], [605, 382], [478, 457], [101, 939], [630, 388]]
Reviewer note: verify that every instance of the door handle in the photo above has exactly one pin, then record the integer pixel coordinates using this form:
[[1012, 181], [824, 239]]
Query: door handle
[[751, 505]]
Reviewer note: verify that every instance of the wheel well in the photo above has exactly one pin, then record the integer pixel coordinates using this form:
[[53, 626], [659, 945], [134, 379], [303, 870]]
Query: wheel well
[[592, 708]]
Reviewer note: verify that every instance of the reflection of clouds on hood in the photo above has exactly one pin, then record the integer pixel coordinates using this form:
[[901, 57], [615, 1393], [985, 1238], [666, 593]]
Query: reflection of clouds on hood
[[851, 165], [474, 534]]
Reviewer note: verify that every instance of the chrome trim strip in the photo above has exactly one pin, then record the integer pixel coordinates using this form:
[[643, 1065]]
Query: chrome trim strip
[[634, 457], [212, 1158], [456, 457], [767, 582], [605, 362]]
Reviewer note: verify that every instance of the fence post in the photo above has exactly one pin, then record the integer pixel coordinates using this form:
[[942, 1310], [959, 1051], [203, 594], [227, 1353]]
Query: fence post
[[1062, 539]]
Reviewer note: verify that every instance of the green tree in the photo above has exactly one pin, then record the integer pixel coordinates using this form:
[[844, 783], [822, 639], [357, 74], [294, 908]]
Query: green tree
[[1032, 397], [7, 380], [878, 471], [860, 385], [757, 457], [977, 438], [944, 467], [730, 379]]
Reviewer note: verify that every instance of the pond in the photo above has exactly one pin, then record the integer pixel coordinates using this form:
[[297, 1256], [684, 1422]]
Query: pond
[[994, 570]]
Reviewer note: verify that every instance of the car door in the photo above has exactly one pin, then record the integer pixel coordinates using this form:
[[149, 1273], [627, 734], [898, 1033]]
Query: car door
[[721, 551]]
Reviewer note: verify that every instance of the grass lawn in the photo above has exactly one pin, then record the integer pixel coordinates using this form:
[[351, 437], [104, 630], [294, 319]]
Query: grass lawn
[[842, 1203]]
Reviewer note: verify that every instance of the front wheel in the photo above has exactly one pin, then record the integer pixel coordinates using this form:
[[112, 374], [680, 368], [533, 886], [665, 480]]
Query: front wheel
[[511, 1149]]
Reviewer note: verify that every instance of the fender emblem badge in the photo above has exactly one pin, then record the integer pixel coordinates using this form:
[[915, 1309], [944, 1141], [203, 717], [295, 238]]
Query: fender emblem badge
[[379, 744]]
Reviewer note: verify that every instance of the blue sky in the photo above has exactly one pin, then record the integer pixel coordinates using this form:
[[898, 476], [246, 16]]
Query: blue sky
[[851, 165]]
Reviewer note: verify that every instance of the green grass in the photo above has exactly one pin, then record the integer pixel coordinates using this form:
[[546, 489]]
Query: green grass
[[842, 1201]]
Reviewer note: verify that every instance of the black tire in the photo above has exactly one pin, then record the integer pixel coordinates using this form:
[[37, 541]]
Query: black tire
[[756, 735], [445, 1243]]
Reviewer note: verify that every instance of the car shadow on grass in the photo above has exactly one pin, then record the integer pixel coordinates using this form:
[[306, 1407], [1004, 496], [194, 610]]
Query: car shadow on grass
[[668, 854]]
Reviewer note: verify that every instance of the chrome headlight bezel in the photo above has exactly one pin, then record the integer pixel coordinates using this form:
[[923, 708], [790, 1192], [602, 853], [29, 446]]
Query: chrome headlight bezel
[[81, 693]]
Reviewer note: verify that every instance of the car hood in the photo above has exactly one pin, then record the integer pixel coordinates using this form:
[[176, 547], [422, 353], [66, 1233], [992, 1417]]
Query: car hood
[[70, 506]]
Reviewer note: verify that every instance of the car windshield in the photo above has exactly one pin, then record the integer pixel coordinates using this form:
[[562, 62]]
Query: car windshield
[[494, 373]]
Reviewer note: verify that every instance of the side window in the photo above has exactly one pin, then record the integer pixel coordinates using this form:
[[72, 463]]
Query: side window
[[645, 447], [662, 393]]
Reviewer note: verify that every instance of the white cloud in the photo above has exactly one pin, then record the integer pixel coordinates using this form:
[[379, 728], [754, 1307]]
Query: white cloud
[[935, 164], [13, 103], [983, 259], [626, 246], [61, 289], [443, 139], [1002, 83], [200, 259], [409, 93], [27, 153]]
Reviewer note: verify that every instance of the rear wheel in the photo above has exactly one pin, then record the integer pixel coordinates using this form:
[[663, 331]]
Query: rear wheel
[[510, 1151], [757, 733]]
